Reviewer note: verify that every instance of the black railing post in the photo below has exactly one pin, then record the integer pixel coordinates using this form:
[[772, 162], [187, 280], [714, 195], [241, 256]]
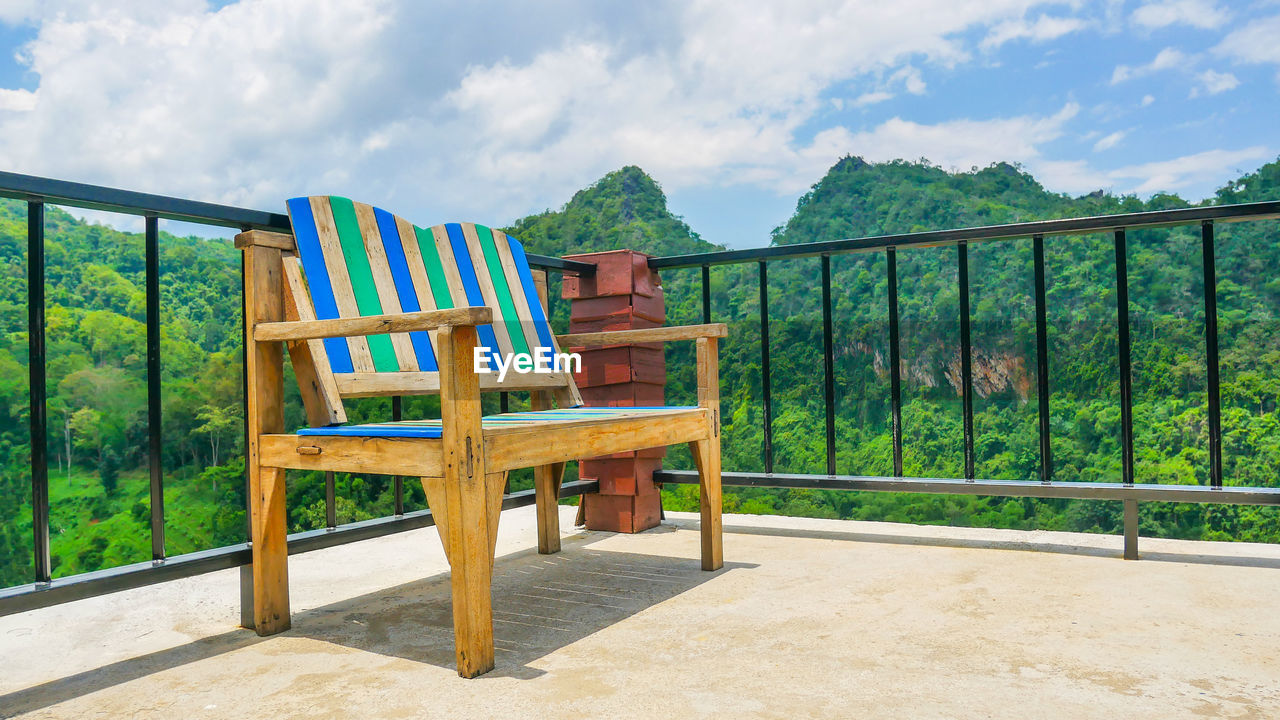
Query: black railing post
[[828, 366], [397, 414], [330, 500], [966, 358], [39, 406], [1126, 394], [1211, 353], [1042, 360], [895, 360], [154, 415], [1126, 371], [766, 390], [706, 293], [551, 295]]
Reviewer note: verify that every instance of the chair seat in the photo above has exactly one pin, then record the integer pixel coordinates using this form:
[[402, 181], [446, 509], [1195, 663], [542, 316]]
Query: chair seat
[[503, 421]]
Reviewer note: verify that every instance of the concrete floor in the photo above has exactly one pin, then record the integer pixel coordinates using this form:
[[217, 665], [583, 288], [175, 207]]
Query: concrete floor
[[809, 618]]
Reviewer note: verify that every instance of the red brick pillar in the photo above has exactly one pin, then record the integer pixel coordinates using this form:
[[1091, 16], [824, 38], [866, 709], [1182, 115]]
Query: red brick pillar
[[624, 294]]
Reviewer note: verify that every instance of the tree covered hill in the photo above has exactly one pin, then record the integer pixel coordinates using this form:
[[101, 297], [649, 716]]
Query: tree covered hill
[[1166, 314], [625, 209], [97, 375]]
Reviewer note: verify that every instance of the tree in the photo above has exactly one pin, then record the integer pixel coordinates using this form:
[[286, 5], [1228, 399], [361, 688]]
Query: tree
[[86, 428], [109, 472], [216, 422]]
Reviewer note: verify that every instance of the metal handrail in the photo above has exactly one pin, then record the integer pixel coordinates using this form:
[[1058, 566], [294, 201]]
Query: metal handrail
[[130, 202], [38, 192], [109, 580], [1269, 210], [1128, 491]]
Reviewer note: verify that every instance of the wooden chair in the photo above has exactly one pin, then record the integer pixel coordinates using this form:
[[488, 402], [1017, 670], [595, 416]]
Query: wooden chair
[[370, 305]]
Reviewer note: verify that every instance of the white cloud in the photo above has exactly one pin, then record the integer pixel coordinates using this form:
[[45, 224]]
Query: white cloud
[[1147, 100], [911, 79], [1207, 82], [1070, 176], [17, 100], [168, 97], [959, 144], [1212, 83], [1172, 175], [1109, 141], [1256, 42], [533, 97], [1042, 29], [258, 100], [726, 105], [871, 98], [1177, 173], [1202, 14], [1167, 59], [908, 77], [261, 100], [14, 12]]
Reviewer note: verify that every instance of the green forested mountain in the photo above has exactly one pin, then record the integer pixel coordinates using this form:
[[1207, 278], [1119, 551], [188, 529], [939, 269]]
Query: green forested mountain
[[97, 373], [624, 209], [1166, 314]]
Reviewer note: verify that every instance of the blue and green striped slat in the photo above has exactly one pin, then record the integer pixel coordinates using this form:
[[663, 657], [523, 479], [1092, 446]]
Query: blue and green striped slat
[[359, 260], [431, 428]]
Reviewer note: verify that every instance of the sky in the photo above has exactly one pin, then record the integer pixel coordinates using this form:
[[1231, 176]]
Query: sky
[[489, 111]]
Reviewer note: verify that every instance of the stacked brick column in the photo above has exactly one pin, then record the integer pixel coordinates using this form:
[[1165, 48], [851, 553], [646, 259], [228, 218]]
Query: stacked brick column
[[624, 294]]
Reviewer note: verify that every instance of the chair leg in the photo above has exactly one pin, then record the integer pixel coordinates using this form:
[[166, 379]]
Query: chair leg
[[546, 483], [470, 580], [466, 515], [270, 551], [264, 413], [706, 455]]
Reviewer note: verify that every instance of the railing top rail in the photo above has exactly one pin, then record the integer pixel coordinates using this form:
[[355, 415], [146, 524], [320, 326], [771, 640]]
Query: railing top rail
[[932, 238], [129, 202], [97, 197]]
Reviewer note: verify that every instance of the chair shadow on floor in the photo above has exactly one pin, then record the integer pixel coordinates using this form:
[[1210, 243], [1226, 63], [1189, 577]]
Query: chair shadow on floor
[[541, 603]]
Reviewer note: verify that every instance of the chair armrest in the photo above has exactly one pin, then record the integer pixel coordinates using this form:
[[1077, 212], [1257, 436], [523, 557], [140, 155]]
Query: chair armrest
[[372, 324], [662, 334]]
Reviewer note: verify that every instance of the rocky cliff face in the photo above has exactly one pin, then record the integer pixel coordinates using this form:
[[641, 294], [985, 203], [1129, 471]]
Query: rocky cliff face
[[994, 371]]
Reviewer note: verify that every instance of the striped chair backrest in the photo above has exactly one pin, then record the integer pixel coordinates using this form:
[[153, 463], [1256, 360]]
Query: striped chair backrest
[[356, 260]]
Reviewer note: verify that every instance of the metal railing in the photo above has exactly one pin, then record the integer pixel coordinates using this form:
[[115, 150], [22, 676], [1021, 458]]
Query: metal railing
[[1127, 490], [46, 590]]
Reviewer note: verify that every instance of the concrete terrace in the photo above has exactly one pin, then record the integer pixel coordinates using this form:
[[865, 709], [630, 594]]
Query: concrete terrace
[[809, 618]]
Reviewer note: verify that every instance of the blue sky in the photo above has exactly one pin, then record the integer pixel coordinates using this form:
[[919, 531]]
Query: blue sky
[[491, 111]]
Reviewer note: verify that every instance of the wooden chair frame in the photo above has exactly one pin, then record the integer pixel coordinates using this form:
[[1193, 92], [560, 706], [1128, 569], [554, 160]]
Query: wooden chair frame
[[464, 471]]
